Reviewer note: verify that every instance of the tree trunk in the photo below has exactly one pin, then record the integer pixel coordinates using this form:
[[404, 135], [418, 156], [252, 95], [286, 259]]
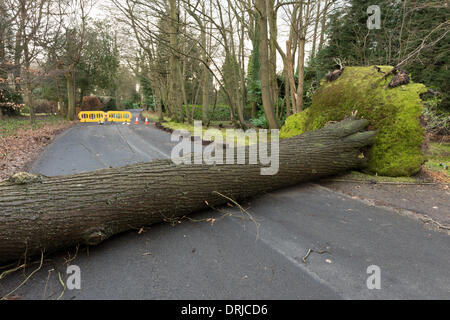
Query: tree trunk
[[183, 91], [290, 73], [205, 72], [323, 25], [174, 98], [287, 92], [62, 107], [70, 96], [28, 99], [158, 105], [301, 72], [266, 93], [80, 101], [48, 213], [17, 56], [205, 93], [273, 32], [316, 26], [254, 109]]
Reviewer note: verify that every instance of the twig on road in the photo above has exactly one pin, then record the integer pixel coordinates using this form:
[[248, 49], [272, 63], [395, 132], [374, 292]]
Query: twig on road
[[312, 250]]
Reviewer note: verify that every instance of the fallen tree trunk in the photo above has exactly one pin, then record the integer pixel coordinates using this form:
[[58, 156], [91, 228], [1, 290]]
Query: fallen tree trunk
[[48, 213]]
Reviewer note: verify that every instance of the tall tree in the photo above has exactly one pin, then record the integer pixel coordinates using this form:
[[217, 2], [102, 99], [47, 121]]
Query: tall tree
[[266, 92], [32, 21]]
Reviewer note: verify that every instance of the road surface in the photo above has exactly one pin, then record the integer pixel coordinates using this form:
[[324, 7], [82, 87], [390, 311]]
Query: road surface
[[235, 258]]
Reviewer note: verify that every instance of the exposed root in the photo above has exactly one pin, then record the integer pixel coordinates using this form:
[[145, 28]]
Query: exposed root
[[46, 283], [5, 297], [62, 284], [70, 259], [5, 273]]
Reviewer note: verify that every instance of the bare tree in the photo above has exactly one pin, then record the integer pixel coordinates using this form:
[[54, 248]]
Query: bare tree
[[268, 102], [32, 19]]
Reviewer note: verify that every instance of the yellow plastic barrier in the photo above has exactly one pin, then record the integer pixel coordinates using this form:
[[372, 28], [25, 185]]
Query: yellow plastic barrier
[[119, 116], [92, 116]]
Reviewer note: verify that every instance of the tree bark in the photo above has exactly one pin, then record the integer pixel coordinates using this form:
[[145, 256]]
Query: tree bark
[[28, 99], [323, 25], [158, 105], [205, 69], [70, 95], [287, 92], [174, 101], [273, 32], [290, 74], [49, 213], [316, 26], [267, 99], [62, 107], [301, 73]]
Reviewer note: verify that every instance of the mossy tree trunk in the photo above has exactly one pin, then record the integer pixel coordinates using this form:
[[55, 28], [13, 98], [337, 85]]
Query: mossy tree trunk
[[48, 213]]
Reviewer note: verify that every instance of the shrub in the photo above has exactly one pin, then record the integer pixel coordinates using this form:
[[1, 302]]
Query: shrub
[[221, 112], [127, 104], [91, 103], [10, 101], [109, 103], [45, 106], [437, 121], [260, 121]]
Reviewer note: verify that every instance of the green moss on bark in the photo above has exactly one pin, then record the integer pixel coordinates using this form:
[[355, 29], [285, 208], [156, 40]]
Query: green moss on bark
[[393, 113]]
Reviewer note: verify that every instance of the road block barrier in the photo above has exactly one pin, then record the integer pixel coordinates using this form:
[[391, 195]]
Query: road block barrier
[[92, 116], [119, 116]]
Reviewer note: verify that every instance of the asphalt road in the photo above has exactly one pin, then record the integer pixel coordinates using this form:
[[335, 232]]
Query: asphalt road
[[235, 258]]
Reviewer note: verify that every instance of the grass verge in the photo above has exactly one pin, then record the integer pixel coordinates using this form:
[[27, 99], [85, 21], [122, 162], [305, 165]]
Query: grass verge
[[10, 126]]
